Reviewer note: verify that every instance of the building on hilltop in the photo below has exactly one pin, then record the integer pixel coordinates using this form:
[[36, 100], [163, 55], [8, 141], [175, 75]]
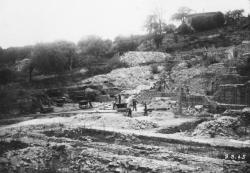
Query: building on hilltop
[[204, 21]]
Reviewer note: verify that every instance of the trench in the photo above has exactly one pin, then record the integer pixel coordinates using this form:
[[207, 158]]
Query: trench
[[99, 149], [184, 127], [11, 145], [178, 146]]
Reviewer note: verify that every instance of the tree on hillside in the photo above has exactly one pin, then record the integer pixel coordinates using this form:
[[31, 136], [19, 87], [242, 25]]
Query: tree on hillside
[[155, 27], [234, 16], [93, 49], [124, 44], [1, 52], [7, 75], [12, 54], [53, 58], [169, 28], [94, 46], [181, 13], [28, 68]]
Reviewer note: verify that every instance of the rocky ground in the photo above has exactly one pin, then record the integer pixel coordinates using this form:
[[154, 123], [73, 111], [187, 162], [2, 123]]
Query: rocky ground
[[134, 58], [106, 141]]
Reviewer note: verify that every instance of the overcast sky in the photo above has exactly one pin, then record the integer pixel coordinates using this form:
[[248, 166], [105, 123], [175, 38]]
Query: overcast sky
[[25, 22]]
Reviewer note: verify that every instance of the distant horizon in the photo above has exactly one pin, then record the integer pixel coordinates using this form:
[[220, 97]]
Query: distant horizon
[[28, 22]]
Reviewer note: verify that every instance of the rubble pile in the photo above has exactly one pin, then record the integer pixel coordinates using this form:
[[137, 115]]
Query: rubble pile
[[223, 126], [29, 158], [125, 77], [134, 58], [142, 124]]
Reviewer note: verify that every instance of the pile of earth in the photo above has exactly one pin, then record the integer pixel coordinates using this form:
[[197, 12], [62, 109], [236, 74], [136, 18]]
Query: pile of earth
[[134, 58], [142, 124], [125, 77], [224, 126]]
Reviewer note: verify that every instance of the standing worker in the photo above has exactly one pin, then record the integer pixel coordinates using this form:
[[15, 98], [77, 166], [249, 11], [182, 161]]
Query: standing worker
[[114, 104], [145, 109], [119, 98], [129, 112], [134, 101], [90, 104], [116, 100]]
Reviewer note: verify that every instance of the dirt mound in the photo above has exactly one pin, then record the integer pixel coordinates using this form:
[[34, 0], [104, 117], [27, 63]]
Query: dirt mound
[[125, 77], [223, 126], [142, 124], [138, 58]]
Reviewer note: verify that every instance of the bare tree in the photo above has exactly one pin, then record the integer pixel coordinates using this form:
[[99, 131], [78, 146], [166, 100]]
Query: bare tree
[[155, 26], [181, 13]]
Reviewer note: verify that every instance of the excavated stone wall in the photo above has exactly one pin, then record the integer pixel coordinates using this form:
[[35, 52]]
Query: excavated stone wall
[[192, 100], [235, 94]]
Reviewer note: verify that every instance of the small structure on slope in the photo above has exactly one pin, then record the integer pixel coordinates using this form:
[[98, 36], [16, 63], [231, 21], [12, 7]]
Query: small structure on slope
[[205, 21]]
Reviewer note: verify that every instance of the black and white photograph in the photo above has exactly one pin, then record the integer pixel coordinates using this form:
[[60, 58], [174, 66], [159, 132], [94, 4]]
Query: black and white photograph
[[124, 86]]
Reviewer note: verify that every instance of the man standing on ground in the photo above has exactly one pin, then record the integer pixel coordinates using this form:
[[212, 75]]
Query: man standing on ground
[[134, 101], [145, 109], [114, 104], [90, 104], [119, 98], [129, 112]]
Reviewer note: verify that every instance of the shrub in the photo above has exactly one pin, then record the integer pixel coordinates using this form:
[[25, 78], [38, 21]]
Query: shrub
[[124, 44], [53, 58], [115, 63], [184, 29], [6, 76], [111, 64], [7, 100], [154, 69], [233, 17]]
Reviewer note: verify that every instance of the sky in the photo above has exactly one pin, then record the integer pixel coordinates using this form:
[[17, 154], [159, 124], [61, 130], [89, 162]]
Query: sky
[[27, 22]]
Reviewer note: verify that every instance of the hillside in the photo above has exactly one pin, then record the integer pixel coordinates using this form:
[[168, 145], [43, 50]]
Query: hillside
[[137, 111]]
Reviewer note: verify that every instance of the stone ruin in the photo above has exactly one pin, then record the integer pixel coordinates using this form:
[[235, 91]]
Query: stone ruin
[[235, 94]]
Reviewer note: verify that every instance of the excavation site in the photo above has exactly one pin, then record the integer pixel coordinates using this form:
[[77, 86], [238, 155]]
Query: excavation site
[[172, 99]]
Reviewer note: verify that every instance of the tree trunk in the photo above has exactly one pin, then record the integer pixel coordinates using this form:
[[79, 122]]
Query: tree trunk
[[70, 63], [30, 73]]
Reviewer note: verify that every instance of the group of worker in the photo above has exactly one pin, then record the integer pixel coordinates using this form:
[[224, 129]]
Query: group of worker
[[134, 106]]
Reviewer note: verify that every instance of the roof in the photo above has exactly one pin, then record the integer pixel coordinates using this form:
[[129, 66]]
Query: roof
[[203, 14]]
